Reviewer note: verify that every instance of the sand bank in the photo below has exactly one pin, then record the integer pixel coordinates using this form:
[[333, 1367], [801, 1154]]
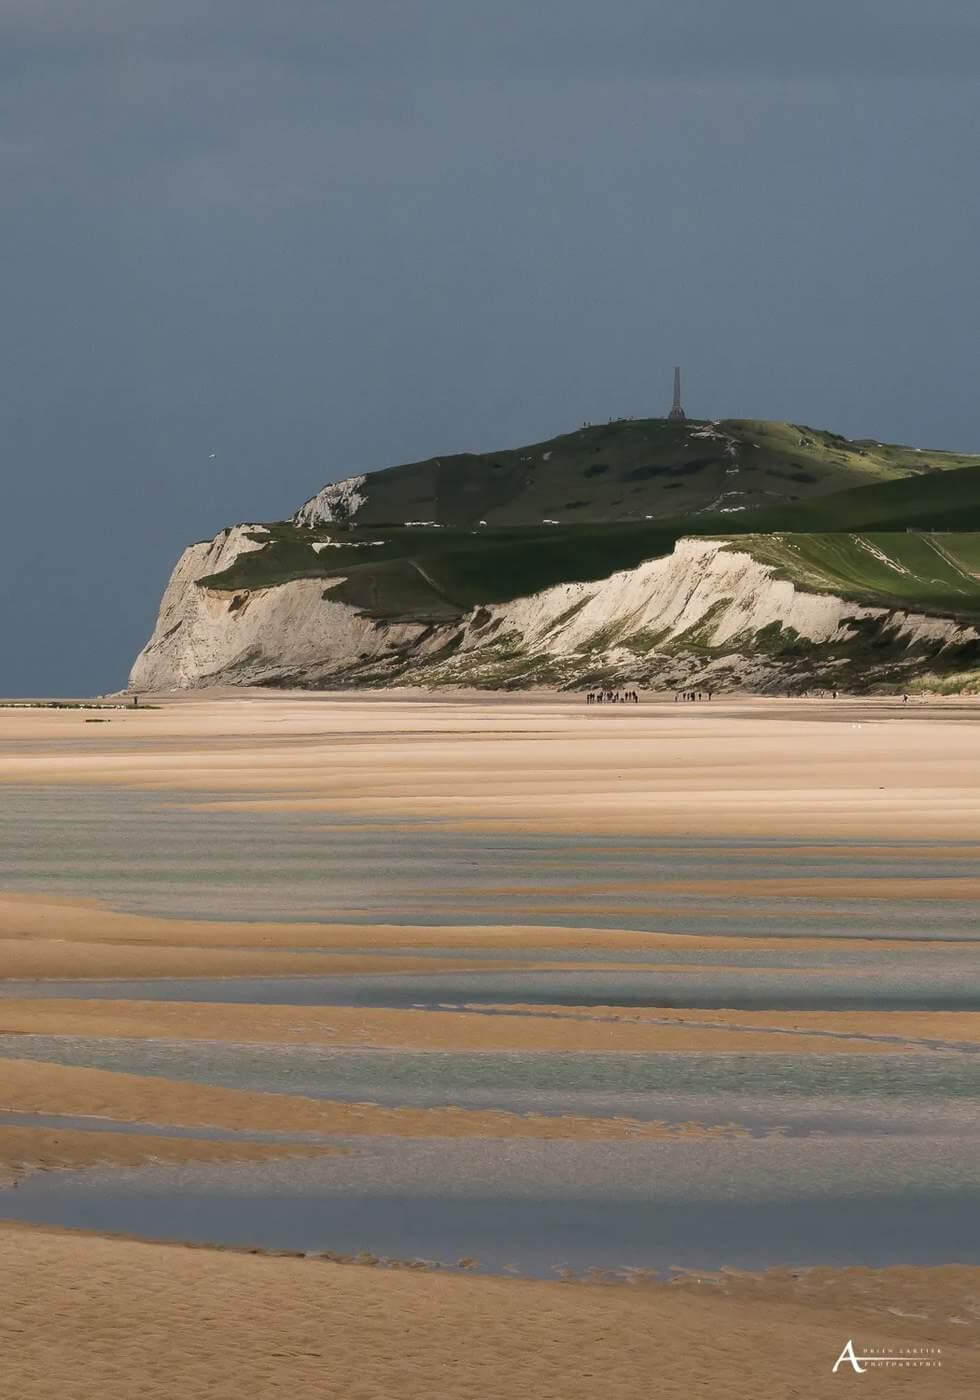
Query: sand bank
[[40, 960], [59, 919], [28, 1086], [188, 1323], [44, 961], [859, 768], [24, 1150], [44, 937], [617, 1029], [915, 1026]]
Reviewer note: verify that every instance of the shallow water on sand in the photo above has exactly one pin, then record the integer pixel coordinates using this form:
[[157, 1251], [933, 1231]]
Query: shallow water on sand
[[844, 1159], [537, 1207], [878, 1094], [160, 852], [86, 1123], [918, 990]]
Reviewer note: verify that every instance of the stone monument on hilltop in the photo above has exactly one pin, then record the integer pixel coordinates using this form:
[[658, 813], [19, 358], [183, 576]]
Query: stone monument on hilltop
[[676, 413]]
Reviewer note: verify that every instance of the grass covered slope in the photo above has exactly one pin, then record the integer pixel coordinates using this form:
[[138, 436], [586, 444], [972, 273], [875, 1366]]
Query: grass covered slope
[[750, 554], [930, 573], [938, 501], [631, 469], [431, 574]]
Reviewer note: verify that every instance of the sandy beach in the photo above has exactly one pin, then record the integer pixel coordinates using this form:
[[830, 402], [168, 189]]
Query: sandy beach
[[218, 1323], [855, 826], [873, 768]]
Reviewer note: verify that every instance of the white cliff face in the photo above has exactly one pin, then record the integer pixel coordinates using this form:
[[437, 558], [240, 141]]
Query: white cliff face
[[339, 501], [240, 637], [697, 612], [171, 657], [704, 584], [709, 592]]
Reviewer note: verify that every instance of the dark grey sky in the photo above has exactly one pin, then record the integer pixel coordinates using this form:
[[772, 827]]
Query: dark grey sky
[[322, 236]]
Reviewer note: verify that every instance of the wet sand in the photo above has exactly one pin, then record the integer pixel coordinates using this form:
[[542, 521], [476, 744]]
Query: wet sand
[[911, 1025], [25, 1150], [192, 1322], [536, 1028], [867, 767], [108, 1319], [30, 1086], [46, 959], [57, 923]]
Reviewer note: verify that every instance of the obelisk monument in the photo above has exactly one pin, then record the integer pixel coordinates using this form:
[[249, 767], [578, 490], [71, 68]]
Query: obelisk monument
[[677, 414]]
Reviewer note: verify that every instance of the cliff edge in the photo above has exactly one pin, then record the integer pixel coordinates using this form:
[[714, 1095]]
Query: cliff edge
[[799, 560]]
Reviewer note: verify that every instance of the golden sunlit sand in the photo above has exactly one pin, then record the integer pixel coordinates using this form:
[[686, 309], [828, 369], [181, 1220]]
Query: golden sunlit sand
[[57, 922], [612, 1029], [164, 1321], [39, 1088], [871, 768], [90, 1318]]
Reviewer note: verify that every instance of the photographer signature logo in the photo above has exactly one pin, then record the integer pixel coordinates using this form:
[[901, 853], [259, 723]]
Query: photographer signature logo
[[916, 1357]]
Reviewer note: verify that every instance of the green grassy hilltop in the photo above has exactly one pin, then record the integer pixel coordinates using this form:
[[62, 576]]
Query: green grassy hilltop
[[874, 526], [634, 468], [430, 574], [731, 555]]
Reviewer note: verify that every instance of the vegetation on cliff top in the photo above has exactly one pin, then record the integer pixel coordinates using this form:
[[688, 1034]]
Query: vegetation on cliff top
[[874, 544], [632, 469]]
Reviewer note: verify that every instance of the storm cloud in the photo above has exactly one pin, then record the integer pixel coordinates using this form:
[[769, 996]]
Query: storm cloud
[[248, 248]]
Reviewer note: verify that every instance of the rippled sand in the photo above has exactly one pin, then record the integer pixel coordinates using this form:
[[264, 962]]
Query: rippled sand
[[110, 1319], [229, 1325]]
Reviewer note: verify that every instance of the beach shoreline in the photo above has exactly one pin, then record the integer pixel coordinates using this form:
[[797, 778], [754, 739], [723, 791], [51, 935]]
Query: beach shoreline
[[888, 792]]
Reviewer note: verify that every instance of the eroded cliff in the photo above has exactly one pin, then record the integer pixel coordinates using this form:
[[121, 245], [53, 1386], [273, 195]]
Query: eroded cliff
[[708, 614]]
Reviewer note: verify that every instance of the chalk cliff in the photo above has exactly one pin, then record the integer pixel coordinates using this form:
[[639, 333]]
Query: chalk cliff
[[736, 553], [708, 614]]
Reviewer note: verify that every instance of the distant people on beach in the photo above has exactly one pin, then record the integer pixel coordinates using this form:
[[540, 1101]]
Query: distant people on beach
[[692, 695], [612, 697]]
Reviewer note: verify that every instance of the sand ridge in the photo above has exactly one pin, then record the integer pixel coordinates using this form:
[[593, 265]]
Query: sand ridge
[[560, 1028], [961, 1026], [42, 960], [27, 1149], [75, 919], [37, 1087]]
